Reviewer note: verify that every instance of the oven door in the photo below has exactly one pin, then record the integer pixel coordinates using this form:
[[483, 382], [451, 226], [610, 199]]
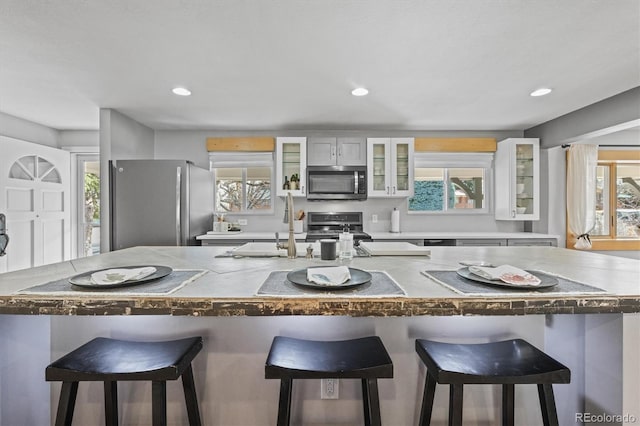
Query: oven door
[[336, 183]]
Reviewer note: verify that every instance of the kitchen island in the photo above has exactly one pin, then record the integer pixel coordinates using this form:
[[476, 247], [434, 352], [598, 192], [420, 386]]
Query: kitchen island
[[582, 330]]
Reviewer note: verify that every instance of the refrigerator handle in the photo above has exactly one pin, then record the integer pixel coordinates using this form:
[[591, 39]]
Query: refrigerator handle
[[178, 197]]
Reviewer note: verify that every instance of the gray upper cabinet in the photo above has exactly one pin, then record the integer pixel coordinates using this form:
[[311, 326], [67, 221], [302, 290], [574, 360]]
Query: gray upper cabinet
[[336, 152]]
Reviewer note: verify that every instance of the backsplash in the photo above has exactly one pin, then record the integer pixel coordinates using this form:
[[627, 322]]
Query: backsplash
[[382, 208]]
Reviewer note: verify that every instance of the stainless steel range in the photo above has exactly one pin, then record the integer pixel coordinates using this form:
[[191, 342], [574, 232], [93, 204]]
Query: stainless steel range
[[321, 225]]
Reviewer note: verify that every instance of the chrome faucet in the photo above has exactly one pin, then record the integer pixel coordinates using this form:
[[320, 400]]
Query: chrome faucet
[[290, 245]]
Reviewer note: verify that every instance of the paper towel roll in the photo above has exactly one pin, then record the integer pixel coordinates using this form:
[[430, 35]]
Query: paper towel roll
[[395, 220]]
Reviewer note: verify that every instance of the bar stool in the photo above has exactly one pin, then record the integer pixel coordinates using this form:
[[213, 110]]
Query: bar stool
[[365, 358], [507, 363], [111, 360]]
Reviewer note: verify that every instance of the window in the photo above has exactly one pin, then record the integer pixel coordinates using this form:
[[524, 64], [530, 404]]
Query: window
[[617, 201], [243, 182], [451, 183], [88, 196]]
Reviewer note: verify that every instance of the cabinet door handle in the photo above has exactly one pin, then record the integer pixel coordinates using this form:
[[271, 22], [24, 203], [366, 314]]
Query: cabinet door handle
[[513, 213], [388, 190], [340, 152], [333, 151], [302, 189], [394, 190]]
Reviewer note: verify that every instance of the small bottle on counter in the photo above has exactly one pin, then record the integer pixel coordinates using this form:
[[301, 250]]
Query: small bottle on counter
[[286, 184]]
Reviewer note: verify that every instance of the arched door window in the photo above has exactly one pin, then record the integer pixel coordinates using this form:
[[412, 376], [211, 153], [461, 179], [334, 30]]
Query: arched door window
[[35, 168]]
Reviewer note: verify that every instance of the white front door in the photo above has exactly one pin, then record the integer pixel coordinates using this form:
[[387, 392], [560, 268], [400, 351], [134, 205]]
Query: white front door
[[35, 197]]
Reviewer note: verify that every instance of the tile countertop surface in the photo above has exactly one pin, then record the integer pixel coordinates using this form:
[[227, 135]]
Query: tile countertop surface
[[249, 235], [229, 288]]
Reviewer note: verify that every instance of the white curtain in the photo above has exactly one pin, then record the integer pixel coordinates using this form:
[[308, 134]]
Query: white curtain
[[581, 192]]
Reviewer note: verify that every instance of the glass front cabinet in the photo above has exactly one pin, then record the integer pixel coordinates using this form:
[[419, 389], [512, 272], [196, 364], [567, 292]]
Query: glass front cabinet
[[389, 167], [291, 161], [517, 183]]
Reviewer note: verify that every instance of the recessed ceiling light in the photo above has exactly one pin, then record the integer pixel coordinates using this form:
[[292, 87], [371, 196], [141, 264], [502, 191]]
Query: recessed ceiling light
[[181, 91], [541, 91], [360, 91]]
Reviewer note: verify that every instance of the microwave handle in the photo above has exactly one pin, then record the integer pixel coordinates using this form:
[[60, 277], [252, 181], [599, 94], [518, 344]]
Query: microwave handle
[[355, 177]]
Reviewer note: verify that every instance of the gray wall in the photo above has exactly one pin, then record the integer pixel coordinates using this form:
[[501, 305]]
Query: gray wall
[[190, 145], [579, 126], [612, 111], [120, 137]]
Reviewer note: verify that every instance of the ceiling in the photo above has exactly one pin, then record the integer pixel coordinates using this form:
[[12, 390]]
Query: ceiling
[[291, 64]]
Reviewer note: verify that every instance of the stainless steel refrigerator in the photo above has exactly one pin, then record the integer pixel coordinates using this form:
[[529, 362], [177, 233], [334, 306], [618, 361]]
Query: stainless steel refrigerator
[[159, 203]]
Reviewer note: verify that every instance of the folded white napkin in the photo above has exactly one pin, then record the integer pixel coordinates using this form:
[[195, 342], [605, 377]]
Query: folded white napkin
[[120, 275], [507, 273], [333, 275]]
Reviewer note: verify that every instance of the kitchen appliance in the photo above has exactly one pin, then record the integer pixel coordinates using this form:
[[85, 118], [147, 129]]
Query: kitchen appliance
[[158, 203], [336, 183], [324, 225]]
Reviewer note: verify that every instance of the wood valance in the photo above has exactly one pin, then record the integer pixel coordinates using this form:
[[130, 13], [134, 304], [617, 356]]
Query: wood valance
[[241, 144], [455, 145]]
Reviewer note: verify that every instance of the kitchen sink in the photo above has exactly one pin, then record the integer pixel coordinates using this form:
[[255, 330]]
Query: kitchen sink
[[270, 250]]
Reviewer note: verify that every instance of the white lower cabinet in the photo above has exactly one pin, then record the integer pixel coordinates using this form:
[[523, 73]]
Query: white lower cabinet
[[481, 242], [549, 242]]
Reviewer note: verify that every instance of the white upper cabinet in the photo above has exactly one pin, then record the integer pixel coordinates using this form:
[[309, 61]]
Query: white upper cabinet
[[390, 167], [291, 159], [517, 171], [337, 151]]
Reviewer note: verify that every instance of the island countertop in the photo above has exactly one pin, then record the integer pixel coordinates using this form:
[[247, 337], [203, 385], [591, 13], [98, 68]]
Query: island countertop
[[228, 288]]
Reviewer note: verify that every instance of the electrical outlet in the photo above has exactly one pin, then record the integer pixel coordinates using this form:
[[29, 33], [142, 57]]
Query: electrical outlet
[[329, 388], [374, 218], [242, 221]]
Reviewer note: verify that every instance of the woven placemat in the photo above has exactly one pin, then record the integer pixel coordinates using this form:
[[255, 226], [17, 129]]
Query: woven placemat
[[381, 285], [461, 285], [177, 279]]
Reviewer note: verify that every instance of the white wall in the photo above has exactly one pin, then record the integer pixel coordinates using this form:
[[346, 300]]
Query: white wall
[[190, 145], [24, 355], [79, 138], [29, 131]]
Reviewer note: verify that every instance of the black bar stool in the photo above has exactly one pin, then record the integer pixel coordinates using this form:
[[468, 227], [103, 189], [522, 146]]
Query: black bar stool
[[507, 363], [365, 358], [110, 360]]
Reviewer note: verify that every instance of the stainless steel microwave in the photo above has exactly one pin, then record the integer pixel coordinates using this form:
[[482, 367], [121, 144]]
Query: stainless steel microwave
[[336, 183]]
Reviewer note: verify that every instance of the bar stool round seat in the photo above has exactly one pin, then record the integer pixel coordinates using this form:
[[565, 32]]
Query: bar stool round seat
[[110, 360], [508, 363], [364, 358]]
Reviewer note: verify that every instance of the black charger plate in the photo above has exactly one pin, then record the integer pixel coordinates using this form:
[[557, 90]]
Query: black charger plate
[[84, 279], [545, 280], [358, 277]]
